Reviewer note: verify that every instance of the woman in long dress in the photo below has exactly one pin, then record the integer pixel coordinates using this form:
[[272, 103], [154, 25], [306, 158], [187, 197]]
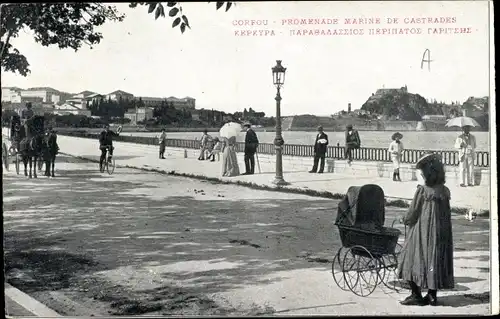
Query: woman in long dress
[[426, 260], [229, 159]]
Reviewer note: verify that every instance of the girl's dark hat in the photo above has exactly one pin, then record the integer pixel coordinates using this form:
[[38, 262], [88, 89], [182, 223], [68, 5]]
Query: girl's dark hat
[[397, 134], [427, 158]]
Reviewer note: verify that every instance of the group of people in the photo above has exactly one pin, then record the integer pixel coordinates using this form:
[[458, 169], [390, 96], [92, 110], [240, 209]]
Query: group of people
[[465, 144], [352, 141], [211, 147]]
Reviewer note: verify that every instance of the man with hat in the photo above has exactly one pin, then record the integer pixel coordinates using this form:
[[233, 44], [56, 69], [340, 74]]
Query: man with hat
[[162, 140], [396, 150], [320, 147], [27, 116], [106, 141], [352, 141], [466, 145], [251, 144]]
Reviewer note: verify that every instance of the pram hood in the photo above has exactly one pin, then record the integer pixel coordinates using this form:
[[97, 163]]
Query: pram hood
[[362, 206]]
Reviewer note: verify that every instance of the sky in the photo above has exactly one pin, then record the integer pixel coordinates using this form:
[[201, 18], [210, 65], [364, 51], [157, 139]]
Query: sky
[[229, 72]]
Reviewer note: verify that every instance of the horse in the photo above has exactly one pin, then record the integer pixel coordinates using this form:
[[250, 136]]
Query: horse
[[31, 146], [49, 152]]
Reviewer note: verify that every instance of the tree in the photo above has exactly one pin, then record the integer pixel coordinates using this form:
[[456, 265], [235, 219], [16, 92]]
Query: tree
[[67, 25], [175, 11]]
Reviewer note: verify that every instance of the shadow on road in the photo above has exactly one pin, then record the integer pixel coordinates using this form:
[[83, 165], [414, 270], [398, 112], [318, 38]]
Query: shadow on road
[[85, 231]]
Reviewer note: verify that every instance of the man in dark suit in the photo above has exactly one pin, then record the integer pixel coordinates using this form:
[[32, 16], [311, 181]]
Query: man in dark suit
[[352, 141], [251, 144], [320, 147]]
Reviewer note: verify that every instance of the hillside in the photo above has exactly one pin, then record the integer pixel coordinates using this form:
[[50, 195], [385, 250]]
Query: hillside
[[401, 104]]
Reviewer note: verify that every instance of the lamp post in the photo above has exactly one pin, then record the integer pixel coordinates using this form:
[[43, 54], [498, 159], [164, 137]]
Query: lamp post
[[278, 81]]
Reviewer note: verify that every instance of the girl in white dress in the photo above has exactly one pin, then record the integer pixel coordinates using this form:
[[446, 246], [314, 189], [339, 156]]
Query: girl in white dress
[[396, 150]]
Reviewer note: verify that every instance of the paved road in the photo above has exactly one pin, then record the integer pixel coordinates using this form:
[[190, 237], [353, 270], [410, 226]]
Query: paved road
[[87, 243]]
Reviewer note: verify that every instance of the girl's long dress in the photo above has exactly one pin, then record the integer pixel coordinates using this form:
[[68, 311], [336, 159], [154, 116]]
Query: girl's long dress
[[427, 256], [229, 159]]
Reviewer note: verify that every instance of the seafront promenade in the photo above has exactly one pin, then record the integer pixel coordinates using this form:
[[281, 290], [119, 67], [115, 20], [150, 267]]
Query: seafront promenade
[[141, 243], [184, 161]]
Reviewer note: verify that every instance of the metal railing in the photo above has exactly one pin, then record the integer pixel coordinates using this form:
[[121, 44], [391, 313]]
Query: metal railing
[[482, 159]]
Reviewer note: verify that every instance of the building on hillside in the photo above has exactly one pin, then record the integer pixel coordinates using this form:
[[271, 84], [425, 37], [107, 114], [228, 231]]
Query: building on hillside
[[152, 101], [94, 98], [11, 94], [83, 99], [116, 95], [71, 108], [139, 115], [48, 95], [185, 103], [31, 99], [382, 91], [360, 112]]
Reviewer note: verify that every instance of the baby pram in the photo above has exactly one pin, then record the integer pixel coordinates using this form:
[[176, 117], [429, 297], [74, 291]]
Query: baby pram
[[369, 250]]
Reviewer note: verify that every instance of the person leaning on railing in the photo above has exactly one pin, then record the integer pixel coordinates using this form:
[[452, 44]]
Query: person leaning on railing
[[352, 141]]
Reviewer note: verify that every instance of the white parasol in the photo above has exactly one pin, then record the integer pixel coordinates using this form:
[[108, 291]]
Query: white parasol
[[462, 121], [230, 129]]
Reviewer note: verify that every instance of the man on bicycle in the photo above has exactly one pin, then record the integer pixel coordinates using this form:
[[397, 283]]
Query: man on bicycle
[[105, 141]]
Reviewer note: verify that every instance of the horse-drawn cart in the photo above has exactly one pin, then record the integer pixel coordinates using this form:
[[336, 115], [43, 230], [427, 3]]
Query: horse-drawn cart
[[10, 145]]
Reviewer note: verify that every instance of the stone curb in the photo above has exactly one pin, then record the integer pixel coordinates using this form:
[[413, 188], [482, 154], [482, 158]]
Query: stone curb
[[28, 303], [396, 201]]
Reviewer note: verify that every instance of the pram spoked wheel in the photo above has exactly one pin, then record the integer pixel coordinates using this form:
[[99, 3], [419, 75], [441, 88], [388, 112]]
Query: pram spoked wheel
[[387, 274], [338, 270], [361, 270]]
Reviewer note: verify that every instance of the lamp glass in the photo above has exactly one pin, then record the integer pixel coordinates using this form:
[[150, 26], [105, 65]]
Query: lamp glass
[[278, 74]]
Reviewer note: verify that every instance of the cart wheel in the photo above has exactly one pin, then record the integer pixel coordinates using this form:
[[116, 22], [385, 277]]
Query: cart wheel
[[338, 271], [17, 163], [388, 275], [110, 166], [361, 271], [5, 156]]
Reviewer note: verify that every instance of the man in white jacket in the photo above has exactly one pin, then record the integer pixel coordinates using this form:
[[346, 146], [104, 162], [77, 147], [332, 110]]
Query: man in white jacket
[[466, 145]]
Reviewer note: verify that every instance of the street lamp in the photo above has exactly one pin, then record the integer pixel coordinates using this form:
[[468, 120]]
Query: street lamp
[[278, 81]]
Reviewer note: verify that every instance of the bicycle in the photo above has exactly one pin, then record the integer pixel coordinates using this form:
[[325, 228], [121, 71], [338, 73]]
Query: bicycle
[[109, 163]]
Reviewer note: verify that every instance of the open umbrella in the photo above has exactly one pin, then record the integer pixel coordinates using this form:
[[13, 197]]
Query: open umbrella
[[462, 121], [230, 129]]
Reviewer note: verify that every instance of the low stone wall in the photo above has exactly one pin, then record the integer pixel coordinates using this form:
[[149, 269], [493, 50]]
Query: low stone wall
[[356, 168]]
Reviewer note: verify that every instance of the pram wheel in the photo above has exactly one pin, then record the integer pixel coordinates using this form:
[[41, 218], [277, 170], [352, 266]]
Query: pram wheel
[[338, 270], [388, 275], [361, 270]]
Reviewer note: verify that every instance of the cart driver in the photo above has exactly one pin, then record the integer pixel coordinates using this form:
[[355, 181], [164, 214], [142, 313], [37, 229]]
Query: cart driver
[[26, 116]]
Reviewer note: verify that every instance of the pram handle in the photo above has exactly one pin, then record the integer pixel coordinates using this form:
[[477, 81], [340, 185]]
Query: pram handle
[[394, 221]]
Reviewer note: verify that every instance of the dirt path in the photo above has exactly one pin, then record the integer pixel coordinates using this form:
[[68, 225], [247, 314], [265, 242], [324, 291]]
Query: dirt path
[[143, 243]]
